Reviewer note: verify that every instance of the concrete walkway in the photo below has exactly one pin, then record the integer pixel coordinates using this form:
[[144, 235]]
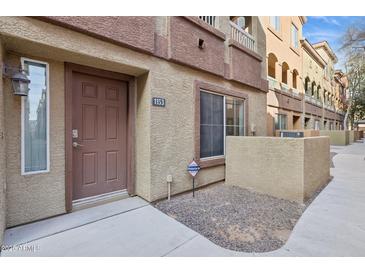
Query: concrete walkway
[[333, 225]]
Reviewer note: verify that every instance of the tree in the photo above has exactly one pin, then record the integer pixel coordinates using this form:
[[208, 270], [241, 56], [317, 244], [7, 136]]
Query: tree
[[354, 47]]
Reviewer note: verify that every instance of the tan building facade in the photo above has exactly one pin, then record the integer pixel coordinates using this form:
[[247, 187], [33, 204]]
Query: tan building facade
[[284, 70], [324, 105], [116, 104], [302, 84]]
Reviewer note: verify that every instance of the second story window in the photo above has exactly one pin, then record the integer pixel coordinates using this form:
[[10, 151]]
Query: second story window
[[275, 22], [294, 36]]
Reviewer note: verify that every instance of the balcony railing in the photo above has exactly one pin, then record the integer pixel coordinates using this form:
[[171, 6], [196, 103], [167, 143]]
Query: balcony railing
[[242, 37], [273, 83], [285, 88], [311, 99], [329, 107], [211, 20], [295, 91]]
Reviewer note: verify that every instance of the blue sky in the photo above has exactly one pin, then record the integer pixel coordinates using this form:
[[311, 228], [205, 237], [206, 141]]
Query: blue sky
[[331, 29]]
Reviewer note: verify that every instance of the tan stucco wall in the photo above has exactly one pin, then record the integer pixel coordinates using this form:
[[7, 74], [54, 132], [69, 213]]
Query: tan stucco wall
[[173, 127], [358, 135], [143, 137], [164, 136], [316, 164], [327, 83], [337, 137], [279, 43], [351, 136], [312, 69], [2, 153], [37, 196], [277, 166]]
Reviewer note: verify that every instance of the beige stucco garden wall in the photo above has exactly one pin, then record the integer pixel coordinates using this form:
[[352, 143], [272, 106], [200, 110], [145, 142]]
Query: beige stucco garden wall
[[316, 164], [351, 136], [358, 135], [2, 153], [280, 167], [337, 137], [165, 137]]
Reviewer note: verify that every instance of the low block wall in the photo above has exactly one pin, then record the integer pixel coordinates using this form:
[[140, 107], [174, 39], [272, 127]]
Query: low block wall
[[288, 168], [2, 156], [351, 136], [337, 137], [357, 135], [307, 132]]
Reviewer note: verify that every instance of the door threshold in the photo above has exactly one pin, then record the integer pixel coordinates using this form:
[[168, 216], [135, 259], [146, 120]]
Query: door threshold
[[99, 199]]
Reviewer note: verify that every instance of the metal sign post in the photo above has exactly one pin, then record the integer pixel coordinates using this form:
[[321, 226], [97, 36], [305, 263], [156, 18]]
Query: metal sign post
[[193, 169]]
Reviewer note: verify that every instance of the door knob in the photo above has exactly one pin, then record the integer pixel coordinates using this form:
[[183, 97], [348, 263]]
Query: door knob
[[76, 144]]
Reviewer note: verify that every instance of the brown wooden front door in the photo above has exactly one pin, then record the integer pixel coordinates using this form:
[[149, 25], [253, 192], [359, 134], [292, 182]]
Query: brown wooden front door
[[99, 135]]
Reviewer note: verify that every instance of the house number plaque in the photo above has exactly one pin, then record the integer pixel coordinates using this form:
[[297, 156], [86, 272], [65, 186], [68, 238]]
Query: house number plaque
[[158, 102]]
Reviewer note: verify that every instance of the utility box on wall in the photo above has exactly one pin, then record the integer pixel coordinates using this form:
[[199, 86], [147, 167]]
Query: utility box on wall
[[292, 134]]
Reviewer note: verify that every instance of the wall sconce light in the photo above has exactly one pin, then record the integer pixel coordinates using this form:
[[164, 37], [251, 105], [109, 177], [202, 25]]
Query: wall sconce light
[[19, 80]]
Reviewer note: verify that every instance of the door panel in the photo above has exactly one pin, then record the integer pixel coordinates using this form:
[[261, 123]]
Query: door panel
[[100, 118]]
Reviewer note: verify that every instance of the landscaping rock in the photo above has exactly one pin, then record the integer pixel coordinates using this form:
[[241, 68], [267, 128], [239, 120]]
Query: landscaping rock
[[235, 218]]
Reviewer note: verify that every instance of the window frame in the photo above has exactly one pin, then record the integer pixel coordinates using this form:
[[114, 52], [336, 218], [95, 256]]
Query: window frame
[[317, 122], [22, 152], [294, 43], [224, 126], [223, 91], [277, 23], [224, 122], [279, 117]]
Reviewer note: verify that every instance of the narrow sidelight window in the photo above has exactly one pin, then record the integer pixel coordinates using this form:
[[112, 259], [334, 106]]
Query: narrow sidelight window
[[220, 116], [35, 119]]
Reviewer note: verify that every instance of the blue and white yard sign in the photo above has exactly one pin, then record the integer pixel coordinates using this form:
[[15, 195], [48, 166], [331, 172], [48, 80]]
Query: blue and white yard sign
[[193, 168]]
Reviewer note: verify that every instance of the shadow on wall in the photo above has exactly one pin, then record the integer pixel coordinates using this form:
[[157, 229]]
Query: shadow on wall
[[261, 46], [270, 124]]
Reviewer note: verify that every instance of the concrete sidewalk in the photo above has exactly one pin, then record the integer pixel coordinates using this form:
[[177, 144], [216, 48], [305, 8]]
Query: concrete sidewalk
[[333, 225]]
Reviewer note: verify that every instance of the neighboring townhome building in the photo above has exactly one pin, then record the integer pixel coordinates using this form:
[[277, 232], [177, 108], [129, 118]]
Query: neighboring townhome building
[[342, 93], [117, 104], [332, 117], [284, 72], [313, 76]]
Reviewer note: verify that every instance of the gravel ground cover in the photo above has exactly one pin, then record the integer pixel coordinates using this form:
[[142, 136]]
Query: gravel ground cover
[[236, 218]]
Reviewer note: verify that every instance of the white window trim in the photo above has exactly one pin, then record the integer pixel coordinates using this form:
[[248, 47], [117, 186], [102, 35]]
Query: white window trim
[[23, 172], [276, 25], [295, 43], [224, 120], [279, 117]]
